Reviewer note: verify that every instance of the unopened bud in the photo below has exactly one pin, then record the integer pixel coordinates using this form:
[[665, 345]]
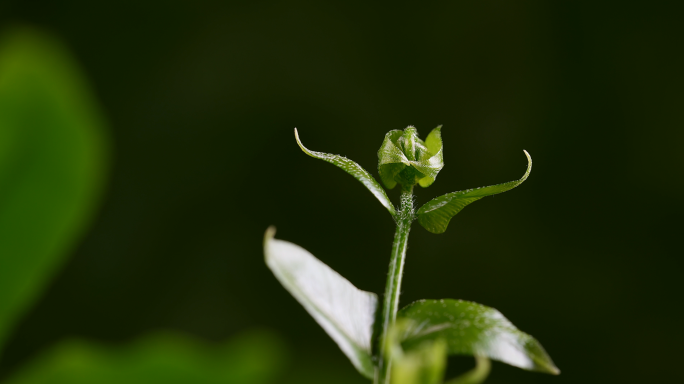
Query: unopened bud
[[407, 160]]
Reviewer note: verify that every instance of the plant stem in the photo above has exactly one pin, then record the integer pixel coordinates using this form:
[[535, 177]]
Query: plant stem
[[404, 219]]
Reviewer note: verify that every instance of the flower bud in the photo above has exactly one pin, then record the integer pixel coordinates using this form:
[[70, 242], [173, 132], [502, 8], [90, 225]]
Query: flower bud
[[407, 160]]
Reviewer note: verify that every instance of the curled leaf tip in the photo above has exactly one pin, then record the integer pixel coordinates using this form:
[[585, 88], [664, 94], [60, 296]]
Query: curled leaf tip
[[353, 169], [297, 138], [269, 234], [529, 166], [270, 231], [299, 142], [436, 214]]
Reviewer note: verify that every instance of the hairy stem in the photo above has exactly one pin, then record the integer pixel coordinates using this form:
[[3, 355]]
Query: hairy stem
[[390, 305]]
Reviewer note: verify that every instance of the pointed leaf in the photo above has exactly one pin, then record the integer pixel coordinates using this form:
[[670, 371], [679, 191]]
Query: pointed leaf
[[474, 329], [436, 213], [346, 313], [433, 141], [52, 165], [355, 170]]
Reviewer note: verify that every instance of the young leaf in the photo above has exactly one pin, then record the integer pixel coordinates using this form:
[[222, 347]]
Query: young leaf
[[436, 213], [52, 165], [434, 144], [424, 364], [346, 313], [474, 329], [355, 170], [391, 159]]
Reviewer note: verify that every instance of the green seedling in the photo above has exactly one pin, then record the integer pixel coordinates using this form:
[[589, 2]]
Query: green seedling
[[407, 346]]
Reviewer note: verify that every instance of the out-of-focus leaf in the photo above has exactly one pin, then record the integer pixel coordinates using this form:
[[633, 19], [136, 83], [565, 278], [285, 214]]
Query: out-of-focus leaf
[[476, 375], [52, 165], [345, 312], [355, 170], [424, 364], [436, 213], [405, 159], [474, 329], [166, 358]]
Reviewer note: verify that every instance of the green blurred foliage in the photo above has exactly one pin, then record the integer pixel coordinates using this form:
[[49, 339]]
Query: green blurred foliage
[[52, 165], [423, 365], [254, 357]]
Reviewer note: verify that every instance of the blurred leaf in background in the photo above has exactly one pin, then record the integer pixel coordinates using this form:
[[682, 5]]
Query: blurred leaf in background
[[52, 165], [163, 358]]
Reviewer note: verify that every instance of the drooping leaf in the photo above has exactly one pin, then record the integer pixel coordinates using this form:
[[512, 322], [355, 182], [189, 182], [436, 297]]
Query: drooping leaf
[[254, 357], [345, 312], [436, 213], [355, 170], [474, 329], [52, 165], [405, 159]]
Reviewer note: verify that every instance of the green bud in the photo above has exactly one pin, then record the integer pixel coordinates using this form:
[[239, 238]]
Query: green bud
[[407, 160]]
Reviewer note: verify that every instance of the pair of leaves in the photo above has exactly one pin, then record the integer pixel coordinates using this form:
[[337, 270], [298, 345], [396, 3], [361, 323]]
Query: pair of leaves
[[435, 214], [52, 165], [347, 315]]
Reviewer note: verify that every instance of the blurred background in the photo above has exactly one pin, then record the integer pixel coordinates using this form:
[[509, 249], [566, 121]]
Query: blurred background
[[198, 101]]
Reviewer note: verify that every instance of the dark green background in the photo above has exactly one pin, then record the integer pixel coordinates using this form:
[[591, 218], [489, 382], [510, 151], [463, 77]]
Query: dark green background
[[203, 97]]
